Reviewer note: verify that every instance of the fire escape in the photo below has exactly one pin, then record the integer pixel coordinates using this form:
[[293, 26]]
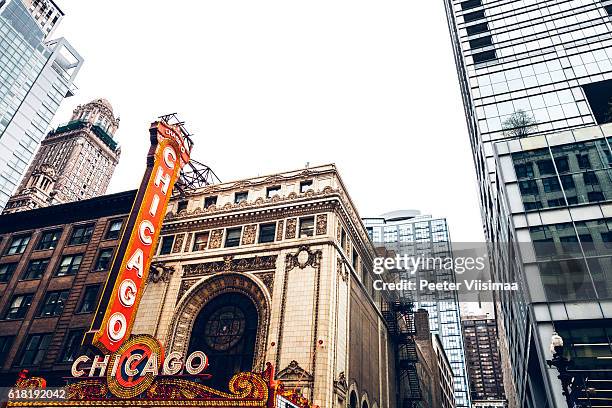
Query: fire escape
[[402, 329]]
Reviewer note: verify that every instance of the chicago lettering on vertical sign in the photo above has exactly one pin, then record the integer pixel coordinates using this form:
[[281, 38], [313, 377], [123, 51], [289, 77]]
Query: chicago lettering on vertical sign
[[168, 154]]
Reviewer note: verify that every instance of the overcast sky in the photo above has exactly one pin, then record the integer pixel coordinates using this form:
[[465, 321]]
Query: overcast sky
[[267, 86]]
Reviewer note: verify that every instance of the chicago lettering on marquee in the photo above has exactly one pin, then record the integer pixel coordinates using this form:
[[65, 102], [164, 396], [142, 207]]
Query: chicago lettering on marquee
[[169, 153], [133, 368]]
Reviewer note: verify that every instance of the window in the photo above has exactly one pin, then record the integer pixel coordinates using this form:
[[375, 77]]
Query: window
[[551, 184], [545, 167], [466, 5], [18, 307], [583, 161], [305, 186], [306, 227], [49, 240], [484, 56], [477, 28], [241, 196], [5, 345], [114, 229], [524, 170], [88, 303], [72, 346], [200, 241], [69, 265], [18, 245], [35, 269], [182, 206], [473, 16], [210, 201], [34, 351], [342, 238], [355, 259], [590, 178], [104, 259], [166, 244], [53, 304], [595, 196], [267, 232], [272, 191], [598, 96], [232, 237], [6, 271], [81, 234], [481, 42]]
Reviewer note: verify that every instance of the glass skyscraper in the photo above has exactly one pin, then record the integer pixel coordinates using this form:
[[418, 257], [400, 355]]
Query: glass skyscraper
[[413, 234], [35, 76], [536, 81]]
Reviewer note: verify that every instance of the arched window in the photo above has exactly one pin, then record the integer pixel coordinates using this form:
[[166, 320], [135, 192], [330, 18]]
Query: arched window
[[364, 404], [353, 400], [226, 329]]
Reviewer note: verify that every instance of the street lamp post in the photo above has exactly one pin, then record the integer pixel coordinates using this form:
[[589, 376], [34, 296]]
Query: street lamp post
[[561, 364]]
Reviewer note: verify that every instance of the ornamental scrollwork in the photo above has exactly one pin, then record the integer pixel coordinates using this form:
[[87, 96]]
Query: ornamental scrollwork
[[160, 272], [303, 257]]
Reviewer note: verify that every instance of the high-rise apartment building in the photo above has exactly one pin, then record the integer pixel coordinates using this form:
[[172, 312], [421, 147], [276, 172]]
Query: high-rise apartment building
[[413, 234], [35, 76], [483, 361], [536, 81], [74, 162]]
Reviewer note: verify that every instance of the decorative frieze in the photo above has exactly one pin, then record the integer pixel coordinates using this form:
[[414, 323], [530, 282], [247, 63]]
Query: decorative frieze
[[256, 263]]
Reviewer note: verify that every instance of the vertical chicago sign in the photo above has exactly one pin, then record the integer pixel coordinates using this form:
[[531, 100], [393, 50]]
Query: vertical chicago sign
[[168, 154]]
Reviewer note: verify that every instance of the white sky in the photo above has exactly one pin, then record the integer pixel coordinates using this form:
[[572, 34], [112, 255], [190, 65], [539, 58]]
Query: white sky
[[267, 86]]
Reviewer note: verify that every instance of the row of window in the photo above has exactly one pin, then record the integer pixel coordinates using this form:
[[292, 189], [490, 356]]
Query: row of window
[[81, 234], [69, 265], [233, 236], [36, 346], [52, 304], [241, 196]]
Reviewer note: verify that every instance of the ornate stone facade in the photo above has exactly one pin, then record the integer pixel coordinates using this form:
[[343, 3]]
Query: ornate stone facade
[[316, 322]]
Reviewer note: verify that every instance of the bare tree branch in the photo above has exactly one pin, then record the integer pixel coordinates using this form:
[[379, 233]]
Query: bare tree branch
[[519, 124]]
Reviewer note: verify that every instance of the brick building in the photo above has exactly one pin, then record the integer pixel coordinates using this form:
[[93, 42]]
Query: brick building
[[53, 264], [434, 369]]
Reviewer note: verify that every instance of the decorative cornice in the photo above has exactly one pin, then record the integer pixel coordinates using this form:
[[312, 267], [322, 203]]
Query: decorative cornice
[[273, 179], [259, 202]]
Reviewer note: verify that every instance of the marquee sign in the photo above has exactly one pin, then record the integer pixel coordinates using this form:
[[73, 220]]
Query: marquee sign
[[168, 154]]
